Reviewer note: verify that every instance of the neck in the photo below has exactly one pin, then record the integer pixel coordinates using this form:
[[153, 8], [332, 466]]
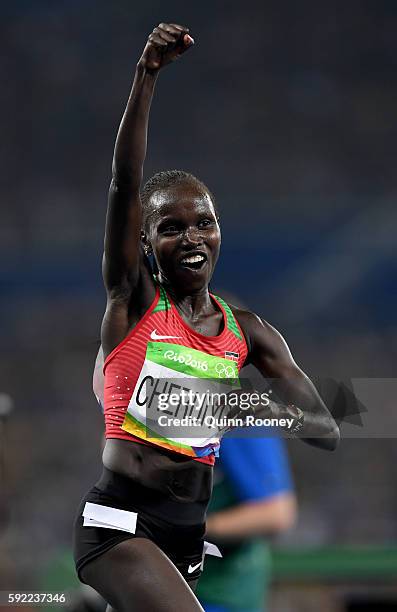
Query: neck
[[194, 304]]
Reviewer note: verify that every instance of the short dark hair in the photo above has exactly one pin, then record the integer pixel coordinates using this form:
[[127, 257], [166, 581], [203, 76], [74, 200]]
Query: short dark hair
[[165, 179]]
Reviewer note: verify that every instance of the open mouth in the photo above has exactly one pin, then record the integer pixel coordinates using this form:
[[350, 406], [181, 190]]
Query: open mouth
[[194, 262]]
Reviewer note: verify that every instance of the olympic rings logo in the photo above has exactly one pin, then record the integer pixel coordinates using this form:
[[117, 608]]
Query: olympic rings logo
[[224, 371]]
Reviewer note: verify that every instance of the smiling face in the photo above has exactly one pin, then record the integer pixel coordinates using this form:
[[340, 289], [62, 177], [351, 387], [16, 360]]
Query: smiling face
[[183, 231]]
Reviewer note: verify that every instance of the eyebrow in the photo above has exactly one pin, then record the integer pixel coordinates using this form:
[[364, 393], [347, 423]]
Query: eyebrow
[[167, 221], [171, 218]]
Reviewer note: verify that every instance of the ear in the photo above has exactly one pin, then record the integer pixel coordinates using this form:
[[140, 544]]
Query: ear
[[147, 247]]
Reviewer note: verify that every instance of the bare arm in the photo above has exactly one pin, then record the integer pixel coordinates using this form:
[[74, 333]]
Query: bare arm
[[257, 518], [270, 354], [122, 250]]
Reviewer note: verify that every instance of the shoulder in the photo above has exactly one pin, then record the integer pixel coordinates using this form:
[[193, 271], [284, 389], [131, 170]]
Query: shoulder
[[266, 346], [254, 327]]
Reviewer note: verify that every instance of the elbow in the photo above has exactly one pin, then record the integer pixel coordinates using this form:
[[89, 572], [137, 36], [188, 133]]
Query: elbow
[[329, 442], [285, 514], [333, 439], [289, 516], [285, 521]]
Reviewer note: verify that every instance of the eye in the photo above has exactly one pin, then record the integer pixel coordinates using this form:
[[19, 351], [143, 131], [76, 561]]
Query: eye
[[205, 223], [169, 229]]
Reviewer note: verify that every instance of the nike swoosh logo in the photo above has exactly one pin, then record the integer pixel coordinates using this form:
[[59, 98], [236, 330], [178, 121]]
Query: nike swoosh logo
[[155, 336], [191, 568]]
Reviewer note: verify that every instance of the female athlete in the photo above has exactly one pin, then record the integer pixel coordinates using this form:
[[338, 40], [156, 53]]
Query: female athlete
[[139, 532]]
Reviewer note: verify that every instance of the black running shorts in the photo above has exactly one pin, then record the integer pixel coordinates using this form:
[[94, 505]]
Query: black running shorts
[[177, 528]]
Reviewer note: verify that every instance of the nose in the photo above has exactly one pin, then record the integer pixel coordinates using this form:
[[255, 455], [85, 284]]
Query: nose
[[192, 236]]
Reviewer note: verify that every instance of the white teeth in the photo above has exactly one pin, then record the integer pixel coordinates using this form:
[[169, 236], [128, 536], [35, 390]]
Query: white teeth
[[193, 259]]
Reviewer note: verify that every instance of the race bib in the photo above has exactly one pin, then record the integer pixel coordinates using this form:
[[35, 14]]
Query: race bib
[[179, 398]]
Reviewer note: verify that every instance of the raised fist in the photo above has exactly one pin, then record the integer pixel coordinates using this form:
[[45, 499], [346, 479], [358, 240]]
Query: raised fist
[[166, 43]]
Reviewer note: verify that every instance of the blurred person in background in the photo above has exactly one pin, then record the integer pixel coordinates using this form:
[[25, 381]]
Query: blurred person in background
[[6, 407], [252, 499]]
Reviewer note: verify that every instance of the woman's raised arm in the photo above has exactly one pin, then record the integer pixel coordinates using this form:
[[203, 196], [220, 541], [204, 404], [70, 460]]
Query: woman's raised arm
[[122, 249]]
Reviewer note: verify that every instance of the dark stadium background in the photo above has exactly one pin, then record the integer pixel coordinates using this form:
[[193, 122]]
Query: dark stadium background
[[288, 112]]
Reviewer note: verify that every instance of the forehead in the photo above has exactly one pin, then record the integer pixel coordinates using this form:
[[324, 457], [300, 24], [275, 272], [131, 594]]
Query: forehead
[[180, 200]]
